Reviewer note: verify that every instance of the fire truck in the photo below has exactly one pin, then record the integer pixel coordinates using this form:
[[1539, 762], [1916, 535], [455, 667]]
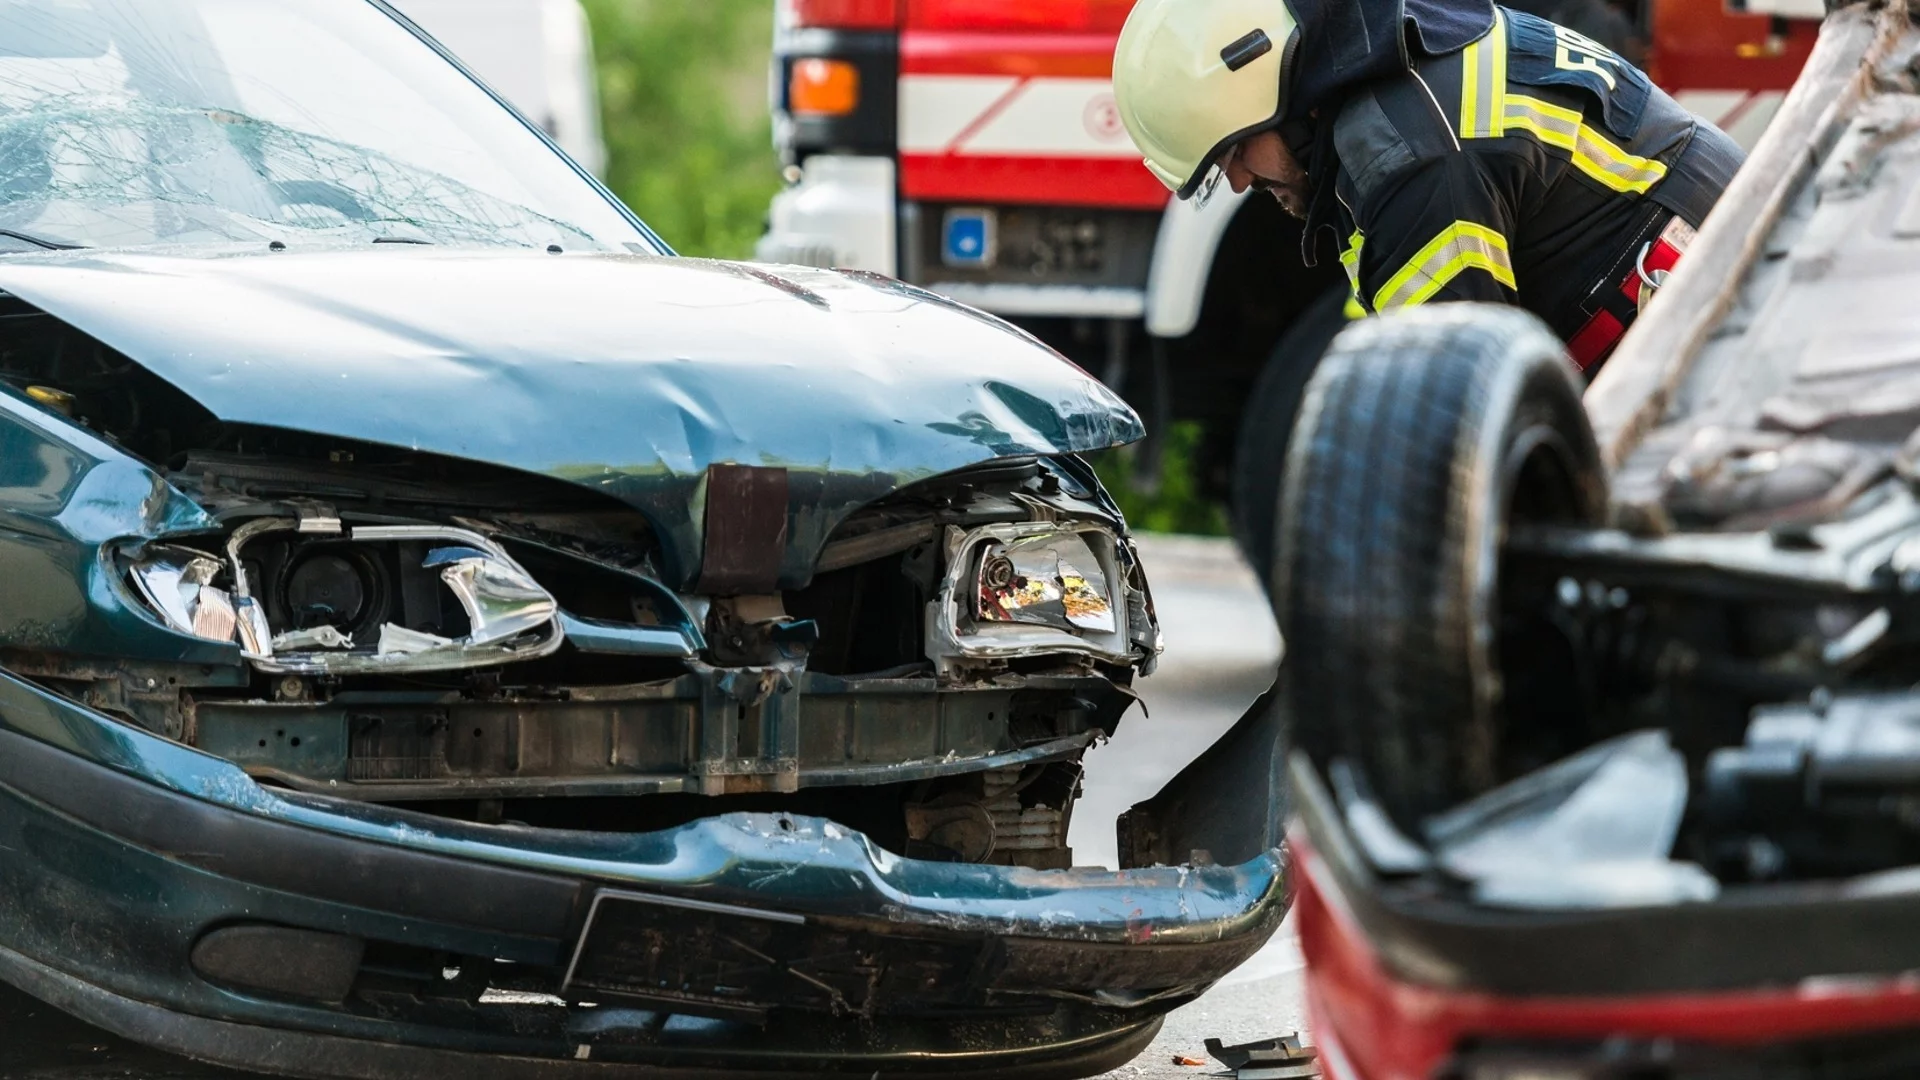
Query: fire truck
[[973, 147]]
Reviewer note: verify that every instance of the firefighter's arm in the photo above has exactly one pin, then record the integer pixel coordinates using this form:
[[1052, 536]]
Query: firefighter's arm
[[1439, 231]]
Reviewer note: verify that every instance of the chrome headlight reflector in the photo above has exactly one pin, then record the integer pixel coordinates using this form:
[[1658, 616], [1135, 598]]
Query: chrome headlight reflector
[[1052, 579], [1035, 588]]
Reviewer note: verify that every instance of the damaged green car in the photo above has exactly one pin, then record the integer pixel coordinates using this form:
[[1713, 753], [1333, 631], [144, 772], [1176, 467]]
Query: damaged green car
[[444, 633]]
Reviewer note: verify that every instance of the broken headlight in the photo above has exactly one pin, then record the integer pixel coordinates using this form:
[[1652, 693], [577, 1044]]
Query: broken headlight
[[310, 597], [1036, 588], [1052, 579], [501, 601], [178, 584]]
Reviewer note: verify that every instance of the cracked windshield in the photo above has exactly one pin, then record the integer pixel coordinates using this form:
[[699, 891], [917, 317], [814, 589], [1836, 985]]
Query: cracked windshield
[[133, 122]]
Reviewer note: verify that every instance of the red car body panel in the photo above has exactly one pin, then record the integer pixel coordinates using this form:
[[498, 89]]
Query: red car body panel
[[1373, 1025]]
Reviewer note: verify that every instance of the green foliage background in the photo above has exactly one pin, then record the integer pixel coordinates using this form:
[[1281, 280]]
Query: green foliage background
[[1170, 501], [683, 100]]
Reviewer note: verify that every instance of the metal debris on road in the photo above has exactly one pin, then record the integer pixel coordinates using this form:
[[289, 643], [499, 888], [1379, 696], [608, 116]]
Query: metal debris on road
[[1285, 1058]]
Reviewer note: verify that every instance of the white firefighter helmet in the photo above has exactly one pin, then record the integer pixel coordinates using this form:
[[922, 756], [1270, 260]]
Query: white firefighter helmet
[[1192, 77]]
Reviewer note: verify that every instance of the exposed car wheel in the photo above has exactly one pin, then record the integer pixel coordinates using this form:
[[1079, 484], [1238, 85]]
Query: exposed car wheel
[[1423, 437], [1260, 458]]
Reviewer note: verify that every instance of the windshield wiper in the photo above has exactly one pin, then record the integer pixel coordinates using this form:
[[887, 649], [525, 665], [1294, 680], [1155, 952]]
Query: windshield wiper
[[40, 241]]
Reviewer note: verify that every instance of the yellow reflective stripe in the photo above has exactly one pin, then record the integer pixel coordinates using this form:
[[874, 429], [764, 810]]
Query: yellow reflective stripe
[[1472, 87], [1350, 261], [1350, 257], [1591, 151], [1459, 247], [1483, 82]]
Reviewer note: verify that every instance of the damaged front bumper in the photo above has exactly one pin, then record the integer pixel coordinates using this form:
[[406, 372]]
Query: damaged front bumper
[[162, 893]]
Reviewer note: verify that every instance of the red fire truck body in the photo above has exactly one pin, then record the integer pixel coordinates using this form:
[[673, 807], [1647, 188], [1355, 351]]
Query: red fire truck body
[[973, 147]]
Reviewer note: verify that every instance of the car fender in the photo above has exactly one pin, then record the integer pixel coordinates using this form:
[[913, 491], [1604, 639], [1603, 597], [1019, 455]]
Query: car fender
[[66, 498], [1190, 233]]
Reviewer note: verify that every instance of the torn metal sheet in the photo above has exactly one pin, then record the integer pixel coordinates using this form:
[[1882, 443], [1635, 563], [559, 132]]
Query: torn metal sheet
[[501, 600], [319, 637], [746, 522]]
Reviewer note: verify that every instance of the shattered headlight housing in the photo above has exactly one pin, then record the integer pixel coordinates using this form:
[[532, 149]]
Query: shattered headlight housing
[[1036, 588], [509, 616], [1050, 579], [177, 583]]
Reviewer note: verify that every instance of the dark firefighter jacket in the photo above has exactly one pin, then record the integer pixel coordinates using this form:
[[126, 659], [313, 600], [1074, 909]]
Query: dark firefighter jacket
[[1531, 166]]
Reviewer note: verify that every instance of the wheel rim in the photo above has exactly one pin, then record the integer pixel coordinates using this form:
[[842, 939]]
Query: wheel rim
[[1538, 484]]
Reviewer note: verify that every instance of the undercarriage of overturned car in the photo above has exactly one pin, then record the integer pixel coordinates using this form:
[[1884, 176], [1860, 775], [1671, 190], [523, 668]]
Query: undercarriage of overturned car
[[1623, 773]]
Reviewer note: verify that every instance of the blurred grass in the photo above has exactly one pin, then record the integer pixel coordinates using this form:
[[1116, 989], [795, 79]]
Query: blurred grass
[[684, 106], [683, 100], [1172, 505]]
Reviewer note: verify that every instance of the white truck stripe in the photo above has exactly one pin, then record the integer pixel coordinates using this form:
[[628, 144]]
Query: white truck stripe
[[1005, 116]]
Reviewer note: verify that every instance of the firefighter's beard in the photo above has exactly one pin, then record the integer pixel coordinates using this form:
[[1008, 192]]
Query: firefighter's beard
[[1264, 162], [1290, 193]]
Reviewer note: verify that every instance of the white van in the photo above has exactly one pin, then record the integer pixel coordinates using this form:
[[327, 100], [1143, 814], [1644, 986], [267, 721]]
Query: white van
[[536, 53]]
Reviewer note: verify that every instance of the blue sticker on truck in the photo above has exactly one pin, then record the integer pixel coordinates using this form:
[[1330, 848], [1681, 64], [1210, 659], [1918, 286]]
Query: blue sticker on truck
[[967, 238]]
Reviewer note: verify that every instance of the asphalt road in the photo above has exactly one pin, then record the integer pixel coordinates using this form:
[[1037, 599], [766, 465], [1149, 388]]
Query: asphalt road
[[1221, 653]]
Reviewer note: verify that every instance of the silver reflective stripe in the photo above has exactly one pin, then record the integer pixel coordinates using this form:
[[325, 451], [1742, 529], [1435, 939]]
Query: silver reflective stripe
[[1592, 153], [1483, 82], [1461, 246]]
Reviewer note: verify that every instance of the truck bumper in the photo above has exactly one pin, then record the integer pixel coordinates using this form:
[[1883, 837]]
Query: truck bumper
[[840, 214]]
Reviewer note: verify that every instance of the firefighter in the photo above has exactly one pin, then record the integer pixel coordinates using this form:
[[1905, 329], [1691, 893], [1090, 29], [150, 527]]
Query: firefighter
[[1454, 150]]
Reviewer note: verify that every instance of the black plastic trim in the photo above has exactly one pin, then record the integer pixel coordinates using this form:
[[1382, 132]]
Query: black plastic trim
[[332, 1057]]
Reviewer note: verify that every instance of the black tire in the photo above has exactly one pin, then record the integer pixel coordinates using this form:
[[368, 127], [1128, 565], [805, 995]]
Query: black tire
[[1422, 437], [1266, 427]]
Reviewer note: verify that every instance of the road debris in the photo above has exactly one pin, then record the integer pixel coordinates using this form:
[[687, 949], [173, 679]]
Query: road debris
[[1284, 1058]]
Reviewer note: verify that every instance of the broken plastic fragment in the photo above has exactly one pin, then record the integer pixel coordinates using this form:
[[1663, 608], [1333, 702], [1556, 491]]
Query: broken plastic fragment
[[400, 641], [256, 637], [320, 637], [501, 600], [213, 615], [176, 583], [1594, 830]]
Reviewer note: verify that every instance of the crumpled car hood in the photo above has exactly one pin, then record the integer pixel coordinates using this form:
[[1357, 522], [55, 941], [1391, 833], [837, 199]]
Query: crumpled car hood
[[628, 374]]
